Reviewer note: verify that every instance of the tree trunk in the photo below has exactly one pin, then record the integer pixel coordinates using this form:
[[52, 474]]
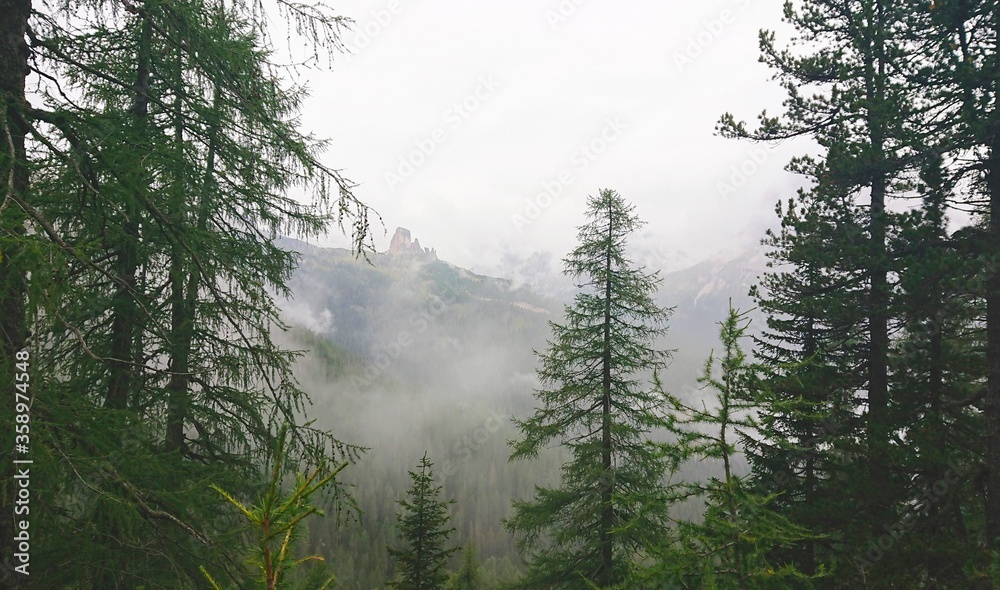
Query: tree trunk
[[13, 330], [606, 572], [126, 330], [180, 346], [878, 300], [812, 441], [734, 518], [993, 316], [993, 350], [184, 300], [182, 306], [125, 318]]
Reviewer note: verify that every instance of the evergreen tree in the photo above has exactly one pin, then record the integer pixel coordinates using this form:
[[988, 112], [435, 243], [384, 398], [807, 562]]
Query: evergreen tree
[[831, 312], [809, 450], [881, 372], [612, 506], [960, 77], [421, 560], [939, 365]]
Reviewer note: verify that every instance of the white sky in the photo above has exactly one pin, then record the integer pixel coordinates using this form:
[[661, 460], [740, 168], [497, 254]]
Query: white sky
[[507, 97]]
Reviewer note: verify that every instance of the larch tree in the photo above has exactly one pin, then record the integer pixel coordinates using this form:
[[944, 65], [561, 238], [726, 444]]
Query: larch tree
[[14, 257], [470, 574], [599, 403], [737, 543], [164, 154]]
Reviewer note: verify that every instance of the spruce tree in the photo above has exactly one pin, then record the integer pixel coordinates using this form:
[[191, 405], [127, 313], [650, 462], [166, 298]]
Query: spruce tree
[[809, 450], [421, 559], [596, 401]]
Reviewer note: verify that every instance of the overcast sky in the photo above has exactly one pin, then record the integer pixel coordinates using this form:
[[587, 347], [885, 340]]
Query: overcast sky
[[483, 126]]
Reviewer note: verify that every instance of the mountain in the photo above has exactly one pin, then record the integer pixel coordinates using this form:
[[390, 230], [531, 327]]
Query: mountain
[[701, 295], [406, 304], [408, 353], [707, 287]]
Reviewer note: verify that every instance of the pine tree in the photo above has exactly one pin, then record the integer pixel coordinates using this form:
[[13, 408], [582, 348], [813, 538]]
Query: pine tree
[[960, 78], [611, 506], [421, 560], [832, 311], [939, 366]]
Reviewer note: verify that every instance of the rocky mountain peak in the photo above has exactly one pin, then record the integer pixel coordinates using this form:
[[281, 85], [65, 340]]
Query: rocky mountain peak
[[403, 245]]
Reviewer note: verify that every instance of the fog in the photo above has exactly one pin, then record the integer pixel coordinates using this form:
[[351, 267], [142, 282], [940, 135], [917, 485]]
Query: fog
[[486, 126]]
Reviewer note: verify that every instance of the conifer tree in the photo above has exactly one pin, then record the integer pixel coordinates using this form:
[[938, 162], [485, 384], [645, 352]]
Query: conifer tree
[[15, 257], [939, 365], [276, 521], [809, 449], [611, 506], [832, 310], [880, 342], [421, 559], [156, 196], [960, 78]]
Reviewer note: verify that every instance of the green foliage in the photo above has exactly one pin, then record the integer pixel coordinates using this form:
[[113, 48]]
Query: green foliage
[[275, 522], [421, 560], [611, 505], [871, 421], [733, 545], [163, 145]]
